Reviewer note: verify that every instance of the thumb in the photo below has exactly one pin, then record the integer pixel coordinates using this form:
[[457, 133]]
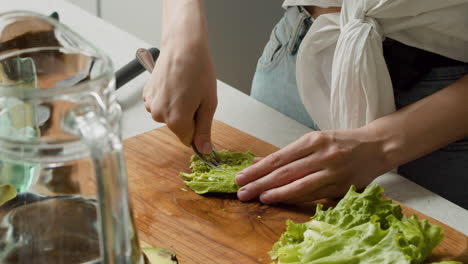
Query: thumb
[[203, 121]]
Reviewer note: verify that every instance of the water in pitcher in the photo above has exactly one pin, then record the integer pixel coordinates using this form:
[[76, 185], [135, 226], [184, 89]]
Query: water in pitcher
[[18, 120], [60, 149], [56, 220], [66, 232], [40, 225]]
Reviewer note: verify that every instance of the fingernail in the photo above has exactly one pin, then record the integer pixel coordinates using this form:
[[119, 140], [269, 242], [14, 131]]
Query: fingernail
[[265, 198], [240, 177], [206, 148], [243, 194]]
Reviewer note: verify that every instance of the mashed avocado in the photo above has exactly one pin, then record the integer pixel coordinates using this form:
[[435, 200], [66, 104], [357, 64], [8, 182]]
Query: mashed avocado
[[205, 179]]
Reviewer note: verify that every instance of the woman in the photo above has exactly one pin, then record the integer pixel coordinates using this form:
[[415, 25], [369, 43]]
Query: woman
[[348, 96]]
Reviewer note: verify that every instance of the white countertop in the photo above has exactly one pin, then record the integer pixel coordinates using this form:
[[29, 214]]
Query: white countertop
[[235, 108]]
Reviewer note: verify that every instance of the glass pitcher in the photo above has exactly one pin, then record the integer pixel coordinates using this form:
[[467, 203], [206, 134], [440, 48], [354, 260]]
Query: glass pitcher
[[60, 149]]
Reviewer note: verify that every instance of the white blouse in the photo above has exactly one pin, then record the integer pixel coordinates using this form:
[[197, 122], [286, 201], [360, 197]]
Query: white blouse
[[341, 72]]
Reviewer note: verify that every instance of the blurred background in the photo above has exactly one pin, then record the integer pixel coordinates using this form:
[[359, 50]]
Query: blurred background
[[239, 29]]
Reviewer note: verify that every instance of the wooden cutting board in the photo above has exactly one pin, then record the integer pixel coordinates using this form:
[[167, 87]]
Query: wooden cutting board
[[217, 229]]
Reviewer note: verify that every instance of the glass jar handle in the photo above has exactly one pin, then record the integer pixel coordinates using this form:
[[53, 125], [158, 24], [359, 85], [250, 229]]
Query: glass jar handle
[[119, 242]]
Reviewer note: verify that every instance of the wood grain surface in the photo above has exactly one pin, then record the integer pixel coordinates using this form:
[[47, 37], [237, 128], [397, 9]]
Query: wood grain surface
[[217, 229]]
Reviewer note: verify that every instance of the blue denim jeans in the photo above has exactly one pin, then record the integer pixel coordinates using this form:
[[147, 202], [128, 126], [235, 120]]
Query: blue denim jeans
[[274, 81], [444, 171]]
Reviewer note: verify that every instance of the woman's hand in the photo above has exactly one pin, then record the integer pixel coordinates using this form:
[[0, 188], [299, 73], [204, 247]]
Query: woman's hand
[[324, 164], [320, 164], [181, 92]]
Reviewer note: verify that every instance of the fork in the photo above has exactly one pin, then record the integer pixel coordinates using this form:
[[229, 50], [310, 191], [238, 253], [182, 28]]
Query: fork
[[214, 162], [146, 60]]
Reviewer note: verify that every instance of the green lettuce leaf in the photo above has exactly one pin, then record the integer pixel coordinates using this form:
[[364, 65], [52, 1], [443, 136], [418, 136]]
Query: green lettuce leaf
[[358, 208], [205, 179], [362, 228]]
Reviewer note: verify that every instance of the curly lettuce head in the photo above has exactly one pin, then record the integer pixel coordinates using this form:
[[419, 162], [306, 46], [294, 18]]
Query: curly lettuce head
[[362, 228]]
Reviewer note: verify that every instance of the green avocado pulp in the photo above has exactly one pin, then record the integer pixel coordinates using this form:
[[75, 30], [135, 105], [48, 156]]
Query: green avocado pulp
[[205, 179]]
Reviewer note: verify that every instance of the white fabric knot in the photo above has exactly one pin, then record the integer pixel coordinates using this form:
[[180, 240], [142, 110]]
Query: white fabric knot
[[361, 88], [375, 26], [341, 73]]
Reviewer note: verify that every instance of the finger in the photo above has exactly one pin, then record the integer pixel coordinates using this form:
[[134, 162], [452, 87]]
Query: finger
[[281, 176], [146, 91], [182, 125], [325, 192], [149, 92], [147, 104], [144, 95], [288, 154], [203, 121], [183, 128], [158, 110], [304, 187], [257, 159], [148, 98]]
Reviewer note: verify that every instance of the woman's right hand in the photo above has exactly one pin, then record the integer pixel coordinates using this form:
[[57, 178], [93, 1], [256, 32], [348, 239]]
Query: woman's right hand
[[181, 92]]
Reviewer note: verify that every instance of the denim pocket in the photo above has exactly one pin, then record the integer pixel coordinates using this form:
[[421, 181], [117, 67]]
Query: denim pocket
[[275, 48]]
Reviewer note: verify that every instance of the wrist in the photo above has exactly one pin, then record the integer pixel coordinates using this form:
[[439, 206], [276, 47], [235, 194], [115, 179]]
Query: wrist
[[389, 142], [179, 39], [188, 56]]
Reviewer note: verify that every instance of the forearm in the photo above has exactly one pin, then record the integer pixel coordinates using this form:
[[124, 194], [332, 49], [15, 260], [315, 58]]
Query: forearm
[[184, 26], [424, 126]]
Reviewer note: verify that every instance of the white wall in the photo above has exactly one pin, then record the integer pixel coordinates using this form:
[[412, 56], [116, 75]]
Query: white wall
[[91, 6], [141, 18], [238, 30]]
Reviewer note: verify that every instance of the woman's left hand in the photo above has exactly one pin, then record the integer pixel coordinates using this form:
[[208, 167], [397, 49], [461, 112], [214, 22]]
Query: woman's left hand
[[320, 164]]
